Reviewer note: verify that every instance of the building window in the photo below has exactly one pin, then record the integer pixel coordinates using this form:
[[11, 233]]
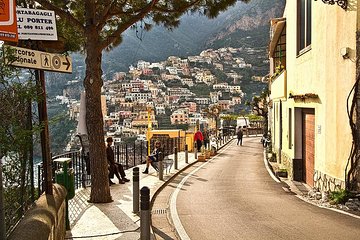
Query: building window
[[304, 25]]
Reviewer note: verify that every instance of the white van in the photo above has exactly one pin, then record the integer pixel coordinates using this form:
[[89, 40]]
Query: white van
[[242, 122]]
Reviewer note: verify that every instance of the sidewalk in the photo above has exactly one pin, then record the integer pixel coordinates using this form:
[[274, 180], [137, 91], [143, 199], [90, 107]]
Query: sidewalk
[[116, 220]]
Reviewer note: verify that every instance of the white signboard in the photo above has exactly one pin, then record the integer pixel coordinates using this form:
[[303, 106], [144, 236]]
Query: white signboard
[[28, 58], [36, 24]]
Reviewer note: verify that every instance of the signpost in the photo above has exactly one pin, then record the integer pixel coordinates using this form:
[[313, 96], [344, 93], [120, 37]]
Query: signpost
[[28, 58], [36, 24], [8, 26]]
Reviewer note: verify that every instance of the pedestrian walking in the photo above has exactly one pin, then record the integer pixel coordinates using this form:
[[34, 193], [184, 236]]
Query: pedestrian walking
[[198, 138], [206, 138], [239, 134]]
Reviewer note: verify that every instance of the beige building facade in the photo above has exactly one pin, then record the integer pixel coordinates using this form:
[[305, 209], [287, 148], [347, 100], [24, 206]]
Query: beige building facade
[[312, 73]]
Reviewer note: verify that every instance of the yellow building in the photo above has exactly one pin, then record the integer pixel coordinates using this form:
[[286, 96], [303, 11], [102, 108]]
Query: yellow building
[[185, 137], [312, 73]]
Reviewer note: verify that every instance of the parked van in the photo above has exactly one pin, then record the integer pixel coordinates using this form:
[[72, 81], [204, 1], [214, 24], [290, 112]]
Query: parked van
[[242, 122]]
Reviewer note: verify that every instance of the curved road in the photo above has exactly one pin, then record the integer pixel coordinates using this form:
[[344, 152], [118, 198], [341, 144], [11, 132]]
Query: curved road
[[233, 197]]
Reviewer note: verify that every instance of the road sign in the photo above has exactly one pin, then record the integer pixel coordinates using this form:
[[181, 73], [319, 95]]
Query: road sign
[[8, 26], [28, 58], [36, 24]]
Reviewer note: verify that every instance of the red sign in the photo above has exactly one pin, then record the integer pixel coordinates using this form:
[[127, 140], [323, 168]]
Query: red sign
[[8, 24]]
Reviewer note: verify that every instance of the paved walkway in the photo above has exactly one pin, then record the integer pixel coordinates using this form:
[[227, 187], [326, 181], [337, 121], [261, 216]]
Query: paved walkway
[[116, 220]]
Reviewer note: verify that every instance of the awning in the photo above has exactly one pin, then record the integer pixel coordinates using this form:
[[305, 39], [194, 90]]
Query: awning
[[81, 127], [278, 28]]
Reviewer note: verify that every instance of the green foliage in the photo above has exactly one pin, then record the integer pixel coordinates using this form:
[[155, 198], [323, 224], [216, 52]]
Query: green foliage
[[201, 90], [253, 117], [259, 104], [16, 136], [339, 197], [174, 83], [129, 140], [60, 125]]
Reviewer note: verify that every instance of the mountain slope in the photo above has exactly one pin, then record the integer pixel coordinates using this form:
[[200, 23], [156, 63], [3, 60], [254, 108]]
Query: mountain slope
[[241, 25]]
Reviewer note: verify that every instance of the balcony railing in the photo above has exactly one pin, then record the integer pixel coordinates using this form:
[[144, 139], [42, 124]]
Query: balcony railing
[[278, 85]]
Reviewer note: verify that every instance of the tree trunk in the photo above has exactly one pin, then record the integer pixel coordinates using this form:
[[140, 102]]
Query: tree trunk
[[100, 191]]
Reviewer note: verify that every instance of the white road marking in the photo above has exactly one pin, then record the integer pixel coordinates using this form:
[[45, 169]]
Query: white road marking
[[269, 170], [173, 211]]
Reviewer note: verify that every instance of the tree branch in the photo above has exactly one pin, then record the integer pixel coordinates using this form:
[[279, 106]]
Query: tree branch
[[63, 14], [104, 16], [142, 13], [185, 7]]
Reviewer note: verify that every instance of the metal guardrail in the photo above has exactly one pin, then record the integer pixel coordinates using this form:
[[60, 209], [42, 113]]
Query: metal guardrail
[[128, 155]]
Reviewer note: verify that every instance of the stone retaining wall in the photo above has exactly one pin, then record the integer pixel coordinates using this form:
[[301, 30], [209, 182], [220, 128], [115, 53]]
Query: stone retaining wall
[[46, 220], [324, 183]]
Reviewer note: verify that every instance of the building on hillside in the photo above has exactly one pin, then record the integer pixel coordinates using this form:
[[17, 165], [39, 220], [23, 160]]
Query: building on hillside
[[172, 70], [137, 85], [180, 116], [181, 92], [236, 100], [141, 96], [142, 120], [126, 106], [157, 65], [119, 76], [74, 111], [221, 86], [190, 105], [160, 110], [143, 64], [147, 71], [167, 77], [214, 96], [219, 66], [202, 101], [205, 76], [312, 73], [187, 81], [134, 72], [225, 104]]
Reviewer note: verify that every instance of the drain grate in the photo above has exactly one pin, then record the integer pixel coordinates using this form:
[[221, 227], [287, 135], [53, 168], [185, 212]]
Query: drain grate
[[159, 211]]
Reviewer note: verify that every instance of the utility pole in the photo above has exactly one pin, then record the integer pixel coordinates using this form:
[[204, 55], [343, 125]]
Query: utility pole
[[44, 134]]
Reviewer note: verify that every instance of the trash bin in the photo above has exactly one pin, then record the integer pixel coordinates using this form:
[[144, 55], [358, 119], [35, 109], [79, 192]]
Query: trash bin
[[65, 177], [68, 183]]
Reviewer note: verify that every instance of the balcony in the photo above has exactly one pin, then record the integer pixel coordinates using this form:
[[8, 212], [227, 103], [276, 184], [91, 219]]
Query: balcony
[[278, 85]]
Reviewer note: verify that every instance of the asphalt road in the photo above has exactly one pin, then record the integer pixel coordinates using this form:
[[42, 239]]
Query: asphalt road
[[233, 197]]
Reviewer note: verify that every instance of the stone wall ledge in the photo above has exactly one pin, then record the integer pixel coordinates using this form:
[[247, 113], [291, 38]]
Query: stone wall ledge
[[44, 221]]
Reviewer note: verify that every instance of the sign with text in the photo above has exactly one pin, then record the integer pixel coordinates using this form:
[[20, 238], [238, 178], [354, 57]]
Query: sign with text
[[36, 24], [8, 26], [28, 58]]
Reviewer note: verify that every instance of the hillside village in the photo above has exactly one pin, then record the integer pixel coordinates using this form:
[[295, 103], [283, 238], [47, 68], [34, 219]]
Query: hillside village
[[165, 91]]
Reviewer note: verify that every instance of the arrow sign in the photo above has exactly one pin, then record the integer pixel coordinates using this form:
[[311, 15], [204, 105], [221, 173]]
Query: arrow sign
[[67, 63], [28, 58]]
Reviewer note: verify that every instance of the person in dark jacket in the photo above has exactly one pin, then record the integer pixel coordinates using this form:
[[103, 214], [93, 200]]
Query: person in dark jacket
[[114, 168], [239, 134]]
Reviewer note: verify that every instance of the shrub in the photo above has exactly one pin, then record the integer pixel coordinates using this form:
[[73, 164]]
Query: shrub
[[340, 196]]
